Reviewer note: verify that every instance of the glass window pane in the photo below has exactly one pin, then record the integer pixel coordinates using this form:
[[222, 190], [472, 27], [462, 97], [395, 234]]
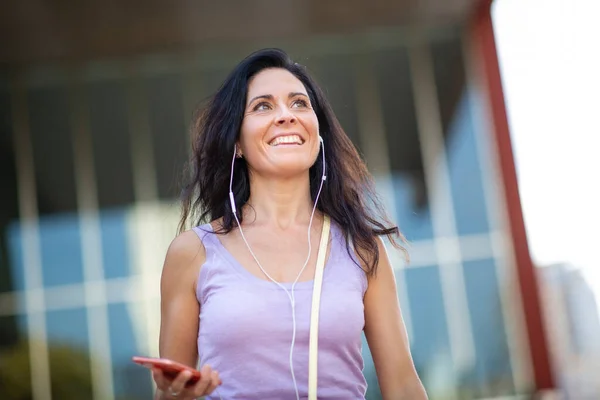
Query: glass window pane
[[131, 381], [406, 163], [50, 124], [167, 122], [109, 127], [457, 120], [60, 247], [15, 256], [60, 242], [68, 354], [335, 74], [115, 251], [8, 185], [431, 348], [9, 332], [491, 375]]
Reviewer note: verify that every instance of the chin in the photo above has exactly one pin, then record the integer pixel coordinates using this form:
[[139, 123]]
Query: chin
[[291, 169]]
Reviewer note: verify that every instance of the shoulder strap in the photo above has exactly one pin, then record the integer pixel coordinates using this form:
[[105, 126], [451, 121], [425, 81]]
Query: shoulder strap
[[313, 345]]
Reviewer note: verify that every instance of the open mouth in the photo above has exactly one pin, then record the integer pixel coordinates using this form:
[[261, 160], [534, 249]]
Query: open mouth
[[286, 140]]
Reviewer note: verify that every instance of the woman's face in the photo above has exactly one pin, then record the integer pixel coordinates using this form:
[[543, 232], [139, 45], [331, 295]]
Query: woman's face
[[280, 131]]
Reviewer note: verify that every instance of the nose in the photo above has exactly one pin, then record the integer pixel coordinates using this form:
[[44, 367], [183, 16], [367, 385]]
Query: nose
[[285, 116]]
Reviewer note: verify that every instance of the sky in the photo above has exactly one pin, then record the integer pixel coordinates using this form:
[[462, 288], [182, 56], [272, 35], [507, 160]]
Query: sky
[[549, 54]]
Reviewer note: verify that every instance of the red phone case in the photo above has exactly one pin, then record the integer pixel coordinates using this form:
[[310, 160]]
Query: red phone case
[[169, 368]]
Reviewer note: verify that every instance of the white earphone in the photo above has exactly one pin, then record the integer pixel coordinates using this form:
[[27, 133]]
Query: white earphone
[[290, 294]]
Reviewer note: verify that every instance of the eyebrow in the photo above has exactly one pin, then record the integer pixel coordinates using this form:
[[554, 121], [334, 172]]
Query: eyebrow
[[270, 97]]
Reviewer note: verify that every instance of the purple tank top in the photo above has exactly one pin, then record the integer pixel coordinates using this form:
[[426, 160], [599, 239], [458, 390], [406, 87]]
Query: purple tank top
[[246, 327]]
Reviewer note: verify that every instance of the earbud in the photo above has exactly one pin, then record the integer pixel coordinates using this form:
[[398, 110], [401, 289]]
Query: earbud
[[232, 201], [231, 198], [323, 176]]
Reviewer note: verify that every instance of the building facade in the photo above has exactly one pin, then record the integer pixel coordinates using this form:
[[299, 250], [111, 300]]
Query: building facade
[[93, 151]]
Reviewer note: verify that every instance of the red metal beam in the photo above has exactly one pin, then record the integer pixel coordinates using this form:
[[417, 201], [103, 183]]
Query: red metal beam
[[484, 46]]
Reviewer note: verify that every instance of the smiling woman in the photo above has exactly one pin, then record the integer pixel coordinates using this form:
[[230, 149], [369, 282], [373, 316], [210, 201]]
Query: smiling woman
[[280, 130], [271, 167]]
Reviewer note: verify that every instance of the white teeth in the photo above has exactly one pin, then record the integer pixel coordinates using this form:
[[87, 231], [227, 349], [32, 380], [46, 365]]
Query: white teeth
[[286, 140]]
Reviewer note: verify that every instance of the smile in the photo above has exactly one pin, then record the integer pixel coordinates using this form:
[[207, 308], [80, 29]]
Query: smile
[[288, 139]]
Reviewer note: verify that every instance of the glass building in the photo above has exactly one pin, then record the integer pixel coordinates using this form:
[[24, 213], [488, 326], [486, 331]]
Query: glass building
[[92, 147]]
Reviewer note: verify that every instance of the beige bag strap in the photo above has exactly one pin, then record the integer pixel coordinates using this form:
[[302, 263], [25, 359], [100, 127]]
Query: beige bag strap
[[313, 346]]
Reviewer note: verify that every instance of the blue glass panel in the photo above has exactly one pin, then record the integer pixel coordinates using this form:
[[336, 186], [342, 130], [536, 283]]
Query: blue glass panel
[[60, 240], [430, 342], [465, 172], [492, 358], [414, 220], [113, 225], [131, 381], [22, 323], [15, 256], [68, 327]]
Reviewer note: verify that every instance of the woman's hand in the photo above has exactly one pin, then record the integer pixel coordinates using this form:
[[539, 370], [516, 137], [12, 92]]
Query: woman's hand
[[176, 388]]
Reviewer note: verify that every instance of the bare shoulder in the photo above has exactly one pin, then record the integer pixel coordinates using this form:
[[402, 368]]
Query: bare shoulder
[[187, 246], [184, 258], [385, 270]]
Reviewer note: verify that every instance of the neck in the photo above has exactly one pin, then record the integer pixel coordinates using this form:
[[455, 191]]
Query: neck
[[279, 203]]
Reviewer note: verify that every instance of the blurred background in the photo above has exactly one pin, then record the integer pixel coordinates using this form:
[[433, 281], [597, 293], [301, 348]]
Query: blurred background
[[483, 151]]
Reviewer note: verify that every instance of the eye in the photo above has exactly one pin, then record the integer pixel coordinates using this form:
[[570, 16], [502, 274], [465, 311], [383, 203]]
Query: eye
[[262, 106], [300, 103]]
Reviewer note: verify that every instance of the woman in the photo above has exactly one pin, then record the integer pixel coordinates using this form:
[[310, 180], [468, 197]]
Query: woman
[[236, 292]]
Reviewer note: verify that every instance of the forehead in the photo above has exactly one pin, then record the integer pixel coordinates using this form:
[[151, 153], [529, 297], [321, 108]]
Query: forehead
[[274, 81]]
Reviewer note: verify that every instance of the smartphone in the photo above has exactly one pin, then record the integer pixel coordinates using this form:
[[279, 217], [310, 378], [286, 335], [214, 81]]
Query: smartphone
[[169, 368]]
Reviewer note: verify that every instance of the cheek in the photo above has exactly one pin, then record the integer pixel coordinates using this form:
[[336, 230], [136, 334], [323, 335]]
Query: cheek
[[250, 130], [311, 123]]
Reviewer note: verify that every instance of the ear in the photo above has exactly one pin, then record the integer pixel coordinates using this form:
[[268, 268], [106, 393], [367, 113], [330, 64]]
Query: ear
[[238, 150]]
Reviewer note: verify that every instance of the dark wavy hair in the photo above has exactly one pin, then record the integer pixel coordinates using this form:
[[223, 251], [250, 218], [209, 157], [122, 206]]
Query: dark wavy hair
[[348, 194]]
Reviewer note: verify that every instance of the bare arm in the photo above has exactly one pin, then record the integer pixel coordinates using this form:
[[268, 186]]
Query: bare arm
[[387, 337], [179, 306]]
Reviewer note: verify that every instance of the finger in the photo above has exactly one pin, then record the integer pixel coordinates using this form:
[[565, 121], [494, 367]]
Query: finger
[[214, 382], [204, 382], [159, 379], [178, 384]]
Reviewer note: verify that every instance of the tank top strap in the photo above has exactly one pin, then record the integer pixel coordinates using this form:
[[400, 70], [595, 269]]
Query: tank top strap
[[205, 234], [208, 238]]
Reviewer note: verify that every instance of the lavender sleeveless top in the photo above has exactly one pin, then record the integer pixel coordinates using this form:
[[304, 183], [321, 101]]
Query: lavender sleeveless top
[[246, 327]]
